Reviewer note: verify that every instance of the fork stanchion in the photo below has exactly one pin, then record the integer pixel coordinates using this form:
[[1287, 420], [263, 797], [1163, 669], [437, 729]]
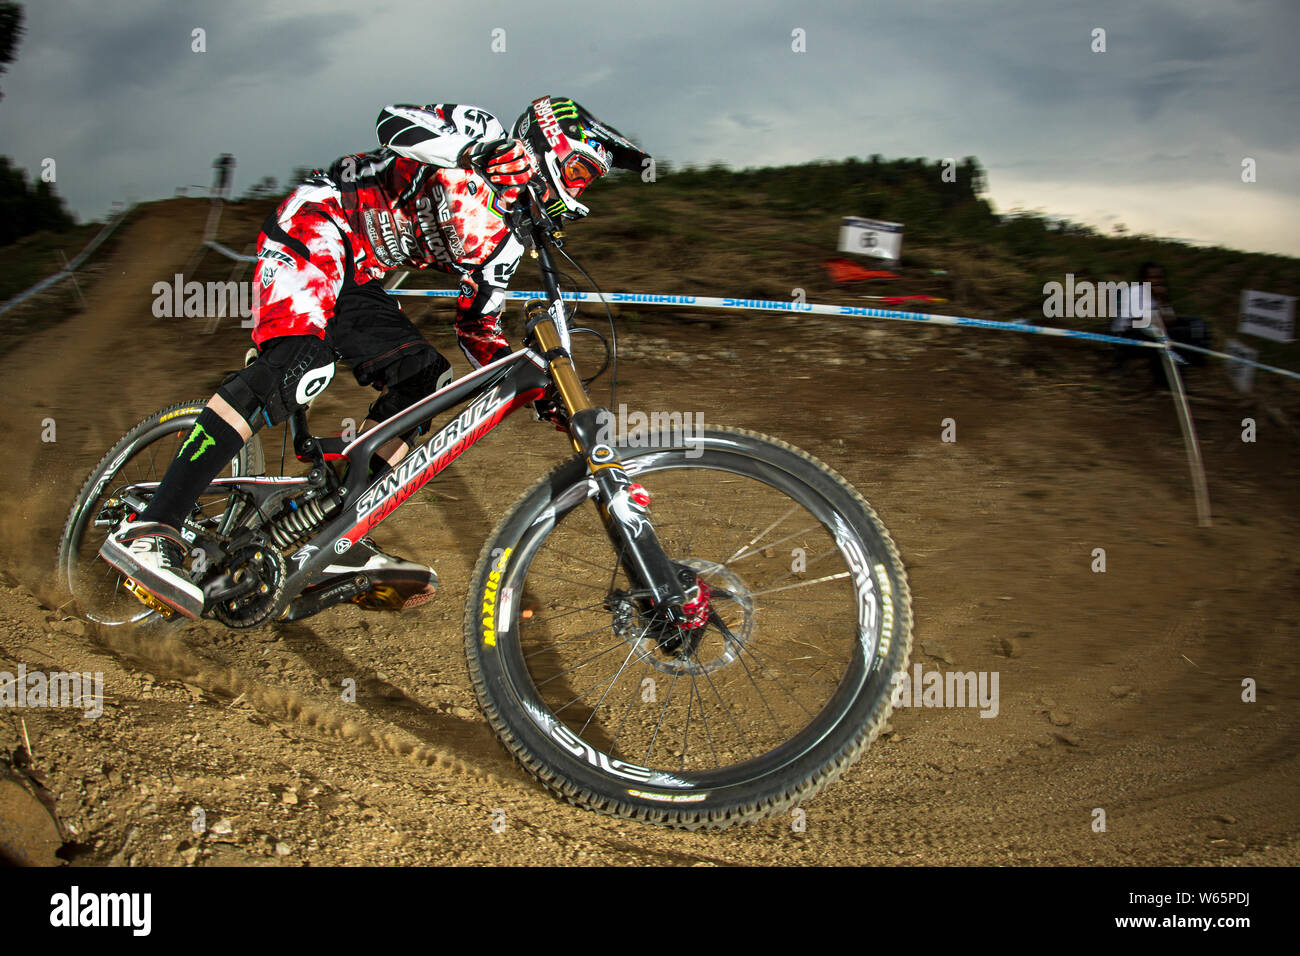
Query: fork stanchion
[[567, 381]]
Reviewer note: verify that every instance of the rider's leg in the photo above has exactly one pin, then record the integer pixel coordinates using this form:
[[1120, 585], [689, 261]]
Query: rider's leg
[[374, 336], [304, 257], [151, 548], [391, 451], [216, 438]]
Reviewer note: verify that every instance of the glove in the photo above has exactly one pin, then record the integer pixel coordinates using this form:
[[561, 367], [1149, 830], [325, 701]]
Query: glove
[[502, 162]]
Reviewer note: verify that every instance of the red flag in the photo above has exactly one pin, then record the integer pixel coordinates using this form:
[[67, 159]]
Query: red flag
[[845, 270]]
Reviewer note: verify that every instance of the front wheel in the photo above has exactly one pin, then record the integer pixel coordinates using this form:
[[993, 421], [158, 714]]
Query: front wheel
[[780, 681]]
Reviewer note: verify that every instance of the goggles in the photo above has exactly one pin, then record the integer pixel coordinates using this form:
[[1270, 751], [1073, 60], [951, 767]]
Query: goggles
[[579, 171]]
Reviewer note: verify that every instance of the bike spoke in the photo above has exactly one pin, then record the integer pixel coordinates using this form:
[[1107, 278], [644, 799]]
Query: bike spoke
[[758, 537], [772, 544], [803, 584], [659, 723]]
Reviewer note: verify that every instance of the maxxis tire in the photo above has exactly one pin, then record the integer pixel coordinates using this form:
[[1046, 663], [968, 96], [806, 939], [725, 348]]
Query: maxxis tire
[[583, 782]]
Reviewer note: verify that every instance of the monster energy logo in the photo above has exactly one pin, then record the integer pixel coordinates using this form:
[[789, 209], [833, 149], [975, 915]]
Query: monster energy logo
[[205, 443]]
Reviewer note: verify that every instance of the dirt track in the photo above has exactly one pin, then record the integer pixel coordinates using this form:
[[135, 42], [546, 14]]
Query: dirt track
[[1120, 691]]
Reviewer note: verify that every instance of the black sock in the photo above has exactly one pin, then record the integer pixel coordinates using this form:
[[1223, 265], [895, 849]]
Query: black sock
[[206, 452]]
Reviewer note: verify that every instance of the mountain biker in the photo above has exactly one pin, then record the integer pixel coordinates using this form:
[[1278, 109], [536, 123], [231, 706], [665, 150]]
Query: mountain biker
[[436, 194]]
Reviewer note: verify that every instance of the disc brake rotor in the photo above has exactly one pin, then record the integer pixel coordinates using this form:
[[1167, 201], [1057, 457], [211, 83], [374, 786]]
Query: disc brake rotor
[[720, 623]]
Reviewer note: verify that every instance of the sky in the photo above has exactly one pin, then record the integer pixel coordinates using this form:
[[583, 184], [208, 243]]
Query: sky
[[1151, 133]]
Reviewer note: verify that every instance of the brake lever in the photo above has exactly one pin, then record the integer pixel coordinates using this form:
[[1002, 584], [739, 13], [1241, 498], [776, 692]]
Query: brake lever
[[528, 223]]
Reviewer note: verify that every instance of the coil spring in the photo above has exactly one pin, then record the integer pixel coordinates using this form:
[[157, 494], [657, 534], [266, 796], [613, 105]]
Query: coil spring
[[299, 522]]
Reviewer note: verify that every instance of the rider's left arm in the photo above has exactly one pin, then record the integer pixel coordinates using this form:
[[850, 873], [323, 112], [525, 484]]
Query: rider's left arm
[[440, 134], [481, 302]]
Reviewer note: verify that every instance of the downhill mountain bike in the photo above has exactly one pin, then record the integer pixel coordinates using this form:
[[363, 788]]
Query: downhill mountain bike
[[720, 654]]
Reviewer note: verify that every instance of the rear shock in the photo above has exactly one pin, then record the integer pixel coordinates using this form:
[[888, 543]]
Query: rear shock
[[299, 521]]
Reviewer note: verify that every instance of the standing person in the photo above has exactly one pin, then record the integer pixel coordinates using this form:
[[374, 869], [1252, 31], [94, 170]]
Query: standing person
[[1145, 312]]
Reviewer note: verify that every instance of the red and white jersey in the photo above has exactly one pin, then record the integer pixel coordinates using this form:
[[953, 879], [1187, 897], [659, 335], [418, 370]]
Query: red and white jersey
[[406, 204]]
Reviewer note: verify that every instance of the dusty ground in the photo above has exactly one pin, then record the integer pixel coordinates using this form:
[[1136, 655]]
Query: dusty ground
[[1119, 690]]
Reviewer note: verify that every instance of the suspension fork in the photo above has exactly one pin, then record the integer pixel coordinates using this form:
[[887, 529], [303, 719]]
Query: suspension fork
[[643, 556]]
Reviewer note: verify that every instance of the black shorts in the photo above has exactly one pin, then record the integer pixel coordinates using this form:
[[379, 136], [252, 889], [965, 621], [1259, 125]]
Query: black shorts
[[372, 335], [369, 333]]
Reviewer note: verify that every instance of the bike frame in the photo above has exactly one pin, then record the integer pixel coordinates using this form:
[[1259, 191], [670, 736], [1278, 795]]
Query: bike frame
[[490, 394]]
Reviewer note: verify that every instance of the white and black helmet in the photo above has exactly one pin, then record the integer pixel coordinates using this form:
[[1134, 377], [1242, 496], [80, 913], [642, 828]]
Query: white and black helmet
[[570, 150]]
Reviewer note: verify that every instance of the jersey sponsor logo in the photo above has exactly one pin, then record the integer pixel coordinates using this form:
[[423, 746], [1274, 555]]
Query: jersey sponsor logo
[[406, 237], [272, 259], [448, 225], [270, 253], [388, 233], [431, 232], [372, 234]]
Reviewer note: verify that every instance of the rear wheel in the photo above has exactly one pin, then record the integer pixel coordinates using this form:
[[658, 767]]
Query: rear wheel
[[783, 677], [141, 456]]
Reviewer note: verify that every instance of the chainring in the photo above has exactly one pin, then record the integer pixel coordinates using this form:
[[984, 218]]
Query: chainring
[[259, 571]]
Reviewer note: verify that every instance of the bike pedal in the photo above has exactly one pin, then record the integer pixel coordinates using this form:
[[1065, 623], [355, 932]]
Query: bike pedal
[[385, 597], [148, 600]]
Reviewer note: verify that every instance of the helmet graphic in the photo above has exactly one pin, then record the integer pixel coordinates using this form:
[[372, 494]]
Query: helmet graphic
[[570, 150]]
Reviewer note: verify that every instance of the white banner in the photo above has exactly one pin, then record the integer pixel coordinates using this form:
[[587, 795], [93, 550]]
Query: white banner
[[872, 237], [1268, 316], [1243, 376]]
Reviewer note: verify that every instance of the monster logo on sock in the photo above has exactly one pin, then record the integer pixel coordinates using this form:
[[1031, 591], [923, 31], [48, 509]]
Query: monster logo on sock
[[205, 443]]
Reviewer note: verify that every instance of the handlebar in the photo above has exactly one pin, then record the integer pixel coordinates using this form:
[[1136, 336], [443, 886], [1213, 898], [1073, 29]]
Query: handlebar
[[535, 228]]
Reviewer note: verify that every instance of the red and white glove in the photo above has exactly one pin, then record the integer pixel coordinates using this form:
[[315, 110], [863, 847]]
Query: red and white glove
[[503, 163]]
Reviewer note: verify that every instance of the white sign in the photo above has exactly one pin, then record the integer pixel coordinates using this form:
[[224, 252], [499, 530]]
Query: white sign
[[1243, 376], [1268, 316], [872, 237]]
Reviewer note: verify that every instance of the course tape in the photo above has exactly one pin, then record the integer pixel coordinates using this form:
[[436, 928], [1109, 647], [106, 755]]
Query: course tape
[[227, 252], [809, 308], [812, 308]]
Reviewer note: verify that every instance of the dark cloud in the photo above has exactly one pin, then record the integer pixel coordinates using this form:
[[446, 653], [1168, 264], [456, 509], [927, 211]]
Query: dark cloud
[[1185, 89]]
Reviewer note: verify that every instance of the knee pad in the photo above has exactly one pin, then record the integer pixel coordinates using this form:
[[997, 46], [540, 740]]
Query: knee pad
[[429, 373], [288, 373]]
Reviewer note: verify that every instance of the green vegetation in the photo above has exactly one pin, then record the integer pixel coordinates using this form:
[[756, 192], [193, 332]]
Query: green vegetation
[[27, 208], [763, 232]]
